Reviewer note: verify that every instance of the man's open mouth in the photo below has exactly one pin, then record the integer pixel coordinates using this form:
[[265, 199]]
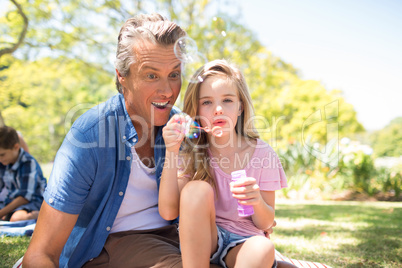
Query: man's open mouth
[[160, 105]]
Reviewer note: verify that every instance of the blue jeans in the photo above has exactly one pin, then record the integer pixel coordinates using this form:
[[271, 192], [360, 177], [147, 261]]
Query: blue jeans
[[226, 241]]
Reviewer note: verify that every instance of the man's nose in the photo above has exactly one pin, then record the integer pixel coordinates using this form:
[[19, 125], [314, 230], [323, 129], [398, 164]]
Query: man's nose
[[165, 89]]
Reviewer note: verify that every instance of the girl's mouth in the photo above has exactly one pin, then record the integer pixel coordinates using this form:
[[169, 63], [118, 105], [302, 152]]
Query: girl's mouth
[[219, 122]]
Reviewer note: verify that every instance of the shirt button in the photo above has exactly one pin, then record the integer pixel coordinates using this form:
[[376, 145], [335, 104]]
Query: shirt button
[[91, 259], [51, 200], [121, 193], [124, 137], [108, 228], [128, 158], [135, 140]]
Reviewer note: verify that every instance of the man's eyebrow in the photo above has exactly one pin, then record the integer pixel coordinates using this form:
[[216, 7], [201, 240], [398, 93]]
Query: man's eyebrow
[[156, 69]]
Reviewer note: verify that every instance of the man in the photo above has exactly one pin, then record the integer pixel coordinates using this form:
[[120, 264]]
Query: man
[[101, 203]]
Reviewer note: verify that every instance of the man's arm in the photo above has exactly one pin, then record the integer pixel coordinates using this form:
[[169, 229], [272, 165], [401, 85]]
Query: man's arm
[[51, 233]]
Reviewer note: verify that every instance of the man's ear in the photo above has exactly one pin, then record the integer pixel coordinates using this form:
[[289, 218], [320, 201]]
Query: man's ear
[[122, 79]]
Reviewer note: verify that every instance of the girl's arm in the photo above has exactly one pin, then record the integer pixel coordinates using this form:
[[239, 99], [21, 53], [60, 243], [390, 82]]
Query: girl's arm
[[248, 193], [169, 194], [264, 211], [170, 185]]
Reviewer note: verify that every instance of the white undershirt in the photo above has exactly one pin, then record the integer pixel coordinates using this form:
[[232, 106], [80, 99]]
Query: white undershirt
[[139, 209]]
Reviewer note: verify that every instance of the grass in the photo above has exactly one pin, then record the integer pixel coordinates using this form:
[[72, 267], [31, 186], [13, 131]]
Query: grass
[[12, 249], [340, 233], [336, 233]]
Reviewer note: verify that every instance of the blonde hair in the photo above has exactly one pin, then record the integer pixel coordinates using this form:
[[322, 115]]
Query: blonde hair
[[195, 151]]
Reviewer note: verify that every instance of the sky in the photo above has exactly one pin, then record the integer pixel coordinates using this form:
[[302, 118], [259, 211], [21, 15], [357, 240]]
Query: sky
[[354, 46]]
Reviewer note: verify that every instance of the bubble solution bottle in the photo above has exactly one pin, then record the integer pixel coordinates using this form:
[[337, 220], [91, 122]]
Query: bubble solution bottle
[[243, 210]]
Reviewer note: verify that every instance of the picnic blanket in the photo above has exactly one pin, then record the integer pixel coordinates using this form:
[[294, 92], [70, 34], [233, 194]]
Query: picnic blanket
[[299, 263], [278, 256], [25, 228], [18, 228]]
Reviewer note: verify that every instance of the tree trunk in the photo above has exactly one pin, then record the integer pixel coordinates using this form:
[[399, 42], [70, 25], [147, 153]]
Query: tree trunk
[[9, 50], [2, 123]]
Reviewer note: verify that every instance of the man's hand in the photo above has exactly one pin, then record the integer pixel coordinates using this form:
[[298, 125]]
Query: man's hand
[[270, 230]]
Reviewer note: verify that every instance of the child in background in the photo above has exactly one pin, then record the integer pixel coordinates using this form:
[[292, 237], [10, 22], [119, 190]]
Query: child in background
[[196, 180], [21, 176]]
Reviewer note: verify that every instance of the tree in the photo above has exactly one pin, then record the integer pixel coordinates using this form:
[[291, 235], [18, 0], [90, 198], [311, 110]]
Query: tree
[[63, 64], [388, 141]]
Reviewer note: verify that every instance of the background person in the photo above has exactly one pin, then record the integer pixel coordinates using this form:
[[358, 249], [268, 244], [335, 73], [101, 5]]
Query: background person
[[21, 179]]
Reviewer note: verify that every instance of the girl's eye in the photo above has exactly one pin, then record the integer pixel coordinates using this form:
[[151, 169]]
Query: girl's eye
[[227, 100], [206, 102]]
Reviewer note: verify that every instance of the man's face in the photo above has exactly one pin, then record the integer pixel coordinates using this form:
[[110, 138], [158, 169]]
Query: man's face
[[153, 84], [9, 156]]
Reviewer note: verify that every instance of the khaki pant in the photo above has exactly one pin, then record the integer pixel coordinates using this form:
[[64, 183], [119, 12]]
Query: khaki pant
[[155, 248]]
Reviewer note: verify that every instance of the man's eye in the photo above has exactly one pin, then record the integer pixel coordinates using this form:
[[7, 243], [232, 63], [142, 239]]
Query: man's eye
[[175, 75], [151, 76]]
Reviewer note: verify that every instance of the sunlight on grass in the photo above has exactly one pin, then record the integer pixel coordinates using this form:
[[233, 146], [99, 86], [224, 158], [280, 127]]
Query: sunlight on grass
[[340, 234]]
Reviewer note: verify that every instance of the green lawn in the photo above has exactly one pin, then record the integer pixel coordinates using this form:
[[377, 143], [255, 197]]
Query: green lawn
[[339, 234]]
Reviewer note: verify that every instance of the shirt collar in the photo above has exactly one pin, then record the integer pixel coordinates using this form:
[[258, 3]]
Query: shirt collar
[[16, 165]]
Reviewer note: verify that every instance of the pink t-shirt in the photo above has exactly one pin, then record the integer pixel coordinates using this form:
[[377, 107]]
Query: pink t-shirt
[[265, 167]]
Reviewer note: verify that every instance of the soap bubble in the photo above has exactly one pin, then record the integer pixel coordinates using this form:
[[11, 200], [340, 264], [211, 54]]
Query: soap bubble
[[189, 68], [192, 127], [185, 48], [186, 51], [220, 26]]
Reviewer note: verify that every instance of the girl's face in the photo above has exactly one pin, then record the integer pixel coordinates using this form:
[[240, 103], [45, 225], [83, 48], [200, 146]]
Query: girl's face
[[219, 104]]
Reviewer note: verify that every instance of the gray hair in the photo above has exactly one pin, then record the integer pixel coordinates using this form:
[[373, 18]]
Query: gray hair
[[153, 28]]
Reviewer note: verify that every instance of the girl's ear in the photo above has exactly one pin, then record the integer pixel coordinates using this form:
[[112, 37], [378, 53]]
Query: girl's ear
[[240, 109]]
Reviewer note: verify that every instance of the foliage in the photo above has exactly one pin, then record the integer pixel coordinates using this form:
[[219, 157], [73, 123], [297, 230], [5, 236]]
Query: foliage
[[360, 168], [389, 181], [341, 167], [42, 105], [65, 61], [388, 141]]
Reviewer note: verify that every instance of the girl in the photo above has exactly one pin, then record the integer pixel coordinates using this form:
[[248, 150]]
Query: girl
[[198, 183]]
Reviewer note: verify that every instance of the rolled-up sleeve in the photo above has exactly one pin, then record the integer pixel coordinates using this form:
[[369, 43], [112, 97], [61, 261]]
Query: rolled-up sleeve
[[72, 174]]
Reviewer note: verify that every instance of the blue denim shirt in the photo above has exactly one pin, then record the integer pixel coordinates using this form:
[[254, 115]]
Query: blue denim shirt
[[90, 176]]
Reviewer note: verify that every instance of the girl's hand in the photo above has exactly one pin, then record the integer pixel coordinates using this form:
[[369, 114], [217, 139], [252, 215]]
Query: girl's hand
[[246, 191], [270, 230], [173, 133]]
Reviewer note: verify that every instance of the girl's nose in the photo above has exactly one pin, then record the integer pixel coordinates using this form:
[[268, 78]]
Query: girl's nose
[[218, 110]]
